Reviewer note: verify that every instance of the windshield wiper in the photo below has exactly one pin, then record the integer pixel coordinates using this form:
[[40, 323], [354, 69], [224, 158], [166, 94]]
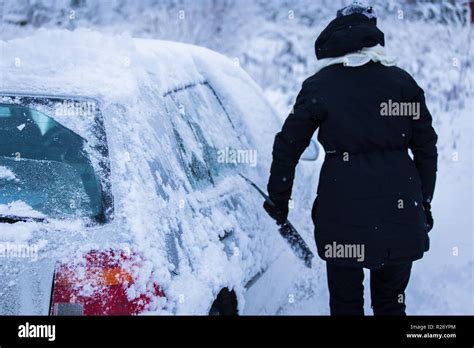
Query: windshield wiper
[[11, 219]]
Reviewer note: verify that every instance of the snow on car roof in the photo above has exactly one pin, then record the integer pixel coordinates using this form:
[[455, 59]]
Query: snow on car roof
[[89, 63], [117, 69]]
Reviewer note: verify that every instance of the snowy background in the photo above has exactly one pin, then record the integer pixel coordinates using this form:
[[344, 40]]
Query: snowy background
[[273, 41]]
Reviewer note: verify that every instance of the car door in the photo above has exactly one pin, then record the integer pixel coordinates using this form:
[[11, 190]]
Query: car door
[[205, 135]]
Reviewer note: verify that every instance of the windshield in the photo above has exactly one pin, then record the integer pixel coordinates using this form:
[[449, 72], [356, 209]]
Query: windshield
[[44, 166]]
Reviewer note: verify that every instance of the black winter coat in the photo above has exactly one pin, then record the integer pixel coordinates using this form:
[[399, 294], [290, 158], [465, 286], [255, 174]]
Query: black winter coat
[[370, 189]]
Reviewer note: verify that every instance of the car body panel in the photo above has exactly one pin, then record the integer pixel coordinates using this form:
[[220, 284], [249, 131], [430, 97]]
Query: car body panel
[[194, 240]]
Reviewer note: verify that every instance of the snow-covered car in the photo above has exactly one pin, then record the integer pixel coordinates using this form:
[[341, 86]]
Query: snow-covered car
[[120, 187]]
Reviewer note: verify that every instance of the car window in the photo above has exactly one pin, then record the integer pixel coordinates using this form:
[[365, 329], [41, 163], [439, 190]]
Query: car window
[[47, 167], [204, 133]]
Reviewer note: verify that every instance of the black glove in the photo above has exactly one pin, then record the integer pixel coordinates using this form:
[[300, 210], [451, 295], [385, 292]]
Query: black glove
[[429, 216], [278, 212]]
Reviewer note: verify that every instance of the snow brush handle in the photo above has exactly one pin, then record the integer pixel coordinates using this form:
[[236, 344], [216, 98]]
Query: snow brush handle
[[288, 232]]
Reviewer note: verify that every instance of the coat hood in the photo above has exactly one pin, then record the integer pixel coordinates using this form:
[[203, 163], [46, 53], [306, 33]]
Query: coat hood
[[348, 34]]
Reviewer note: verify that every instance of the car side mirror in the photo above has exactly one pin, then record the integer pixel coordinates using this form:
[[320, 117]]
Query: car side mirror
[[311, 153]]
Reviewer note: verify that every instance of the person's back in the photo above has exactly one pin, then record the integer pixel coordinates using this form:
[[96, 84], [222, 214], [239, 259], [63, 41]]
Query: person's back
[[372, 207]]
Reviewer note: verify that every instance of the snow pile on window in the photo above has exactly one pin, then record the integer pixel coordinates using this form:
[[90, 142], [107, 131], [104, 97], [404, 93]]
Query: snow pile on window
[[7, 174], [19, 208]]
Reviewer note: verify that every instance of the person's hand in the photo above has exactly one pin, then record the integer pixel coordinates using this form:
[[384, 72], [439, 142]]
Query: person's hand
[[429, 216], [279, 212]]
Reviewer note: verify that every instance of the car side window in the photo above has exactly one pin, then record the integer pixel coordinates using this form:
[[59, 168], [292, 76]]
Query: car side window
[[203, 132], [189, 150]]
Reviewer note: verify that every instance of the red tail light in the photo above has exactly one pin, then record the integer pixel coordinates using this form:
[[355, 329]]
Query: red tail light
[[98, 285]]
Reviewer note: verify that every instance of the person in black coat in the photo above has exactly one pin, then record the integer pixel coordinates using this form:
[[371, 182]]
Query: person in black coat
[[373, 199]]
